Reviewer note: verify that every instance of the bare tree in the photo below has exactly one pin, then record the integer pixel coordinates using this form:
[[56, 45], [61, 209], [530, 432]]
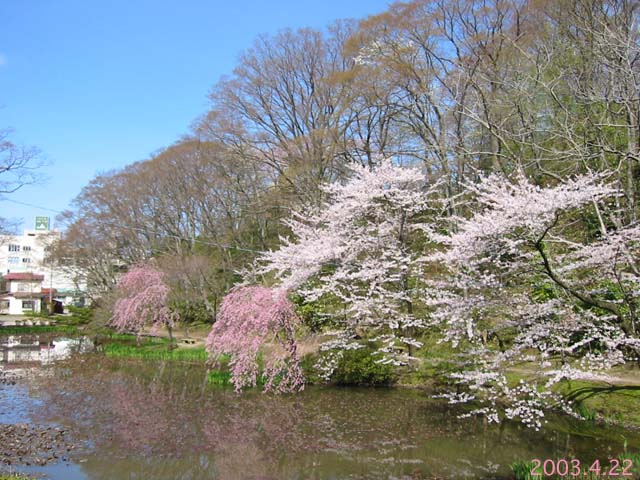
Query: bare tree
[[19, 166], [284, 110]]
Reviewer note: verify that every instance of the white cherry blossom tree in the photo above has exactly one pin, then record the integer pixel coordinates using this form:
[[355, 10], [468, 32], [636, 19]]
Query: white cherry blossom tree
[[526, 284], [357, 248], [538, 280]]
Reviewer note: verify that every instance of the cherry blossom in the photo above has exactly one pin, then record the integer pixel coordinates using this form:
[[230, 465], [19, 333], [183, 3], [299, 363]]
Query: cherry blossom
[[516, 244], [250, 318], [518, 280], [143, 300], [356, 248]]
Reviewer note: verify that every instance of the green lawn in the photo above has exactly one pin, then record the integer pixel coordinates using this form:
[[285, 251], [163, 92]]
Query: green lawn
[[155, 351]]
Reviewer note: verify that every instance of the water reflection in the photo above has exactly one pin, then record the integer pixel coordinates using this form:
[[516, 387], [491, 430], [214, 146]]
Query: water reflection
[[160, 421], [41, 350]]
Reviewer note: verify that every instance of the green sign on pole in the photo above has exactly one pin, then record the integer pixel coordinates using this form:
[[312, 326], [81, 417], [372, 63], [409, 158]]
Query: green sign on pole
[[42, 223]]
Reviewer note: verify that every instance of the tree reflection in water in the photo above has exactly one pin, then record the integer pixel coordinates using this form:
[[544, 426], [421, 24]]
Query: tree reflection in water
[[143, 420]]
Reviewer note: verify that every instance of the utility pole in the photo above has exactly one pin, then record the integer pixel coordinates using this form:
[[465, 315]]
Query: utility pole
[[51, 309]]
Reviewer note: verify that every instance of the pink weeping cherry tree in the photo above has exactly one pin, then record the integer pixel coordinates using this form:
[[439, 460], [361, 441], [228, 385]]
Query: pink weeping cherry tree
[[255, 320], [143, 300]]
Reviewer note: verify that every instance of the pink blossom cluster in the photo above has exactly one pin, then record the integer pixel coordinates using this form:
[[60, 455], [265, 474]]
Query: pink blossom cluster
[[254, 320], [143, 300]]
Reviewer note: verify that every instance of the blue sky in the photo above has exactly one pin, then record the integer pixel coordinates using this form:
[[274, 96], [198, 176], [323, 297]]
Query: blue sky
[[96, 85]]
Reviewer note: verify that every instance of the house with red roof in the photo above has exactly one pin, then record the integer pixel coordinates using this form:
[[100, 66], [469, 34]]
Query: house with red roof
[[22, 293]]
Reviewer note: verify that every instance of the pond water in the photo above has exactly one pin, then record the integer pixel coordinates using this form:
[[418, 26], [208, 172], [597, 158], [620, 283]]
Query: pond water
[[147, 420]]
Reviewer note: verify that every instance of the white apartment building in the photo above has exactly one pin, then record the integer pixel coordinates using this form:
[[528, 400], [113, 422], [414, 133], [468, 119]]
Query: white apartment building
[[27, 253]]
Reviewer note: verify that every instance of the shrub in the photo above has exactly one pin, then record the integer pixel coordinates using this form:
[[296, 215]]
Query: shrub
[[84, 313], [359, 367]]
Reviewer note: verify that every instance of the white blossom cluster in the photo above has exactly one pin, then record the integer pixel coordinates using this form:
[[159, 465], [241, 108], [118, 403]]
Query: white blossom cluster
[[355, 249], [573, 330], [508, 285]]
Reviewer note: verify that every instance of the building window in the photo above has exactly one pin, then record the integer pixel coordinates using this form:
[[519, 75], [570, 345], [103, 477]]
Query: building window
[[13, 260], [14, 248], [26, 248], [28, 305], [26, 260], [4, 304]]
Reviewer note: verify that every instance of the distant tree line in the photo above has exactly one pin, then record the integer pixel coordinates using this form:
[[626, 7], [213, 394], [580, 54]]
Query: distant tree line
[[460, 88]]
